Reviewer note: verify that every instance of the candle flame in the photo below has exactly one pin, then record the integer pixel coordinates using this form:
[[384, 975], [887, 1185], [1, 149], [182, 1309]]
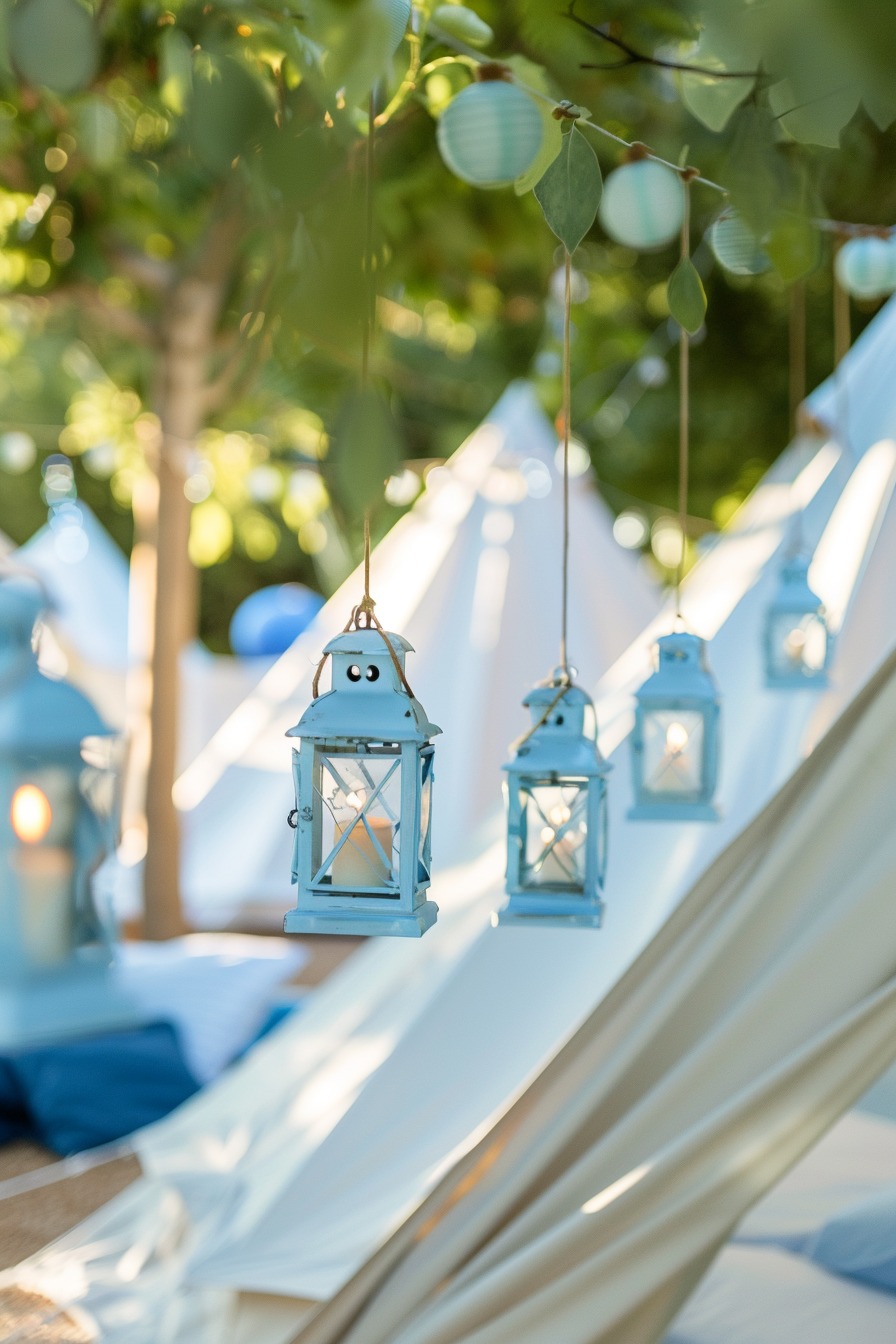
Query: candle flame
[[676, 738], [30, 813]]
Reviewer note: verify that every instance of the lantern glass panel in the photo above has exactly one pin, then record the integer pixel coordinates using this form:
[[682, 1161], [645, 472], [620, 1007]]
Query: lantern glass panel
[[797, 643], [555, 827], [360, 795], [426, 761], [673, 751], [42, 816]]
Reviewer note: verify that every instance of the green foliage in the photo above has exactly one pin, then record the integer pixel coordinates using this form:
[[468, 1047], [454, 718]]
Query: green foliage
[[257, 117], [367, 449], [570, 191], [686, 296], [53, 43]]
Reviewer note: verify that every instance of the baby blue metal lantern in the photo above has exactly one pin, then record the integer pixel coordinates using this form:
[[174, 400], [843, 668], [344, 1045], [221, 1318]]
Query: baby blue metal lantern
[[363, 779], [490, 133], [675, 743], [797, 644], [556, 814], [57, 815]]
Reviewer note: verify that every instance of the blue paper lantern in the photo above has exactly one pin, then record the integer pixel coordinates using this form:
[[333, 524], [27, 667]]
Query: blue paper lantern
[[490, 133], [735, 246], [866, 267], [797, 644], [268, 621], [557, 814], [675, 743], [57, 814], [363, 779], [642, 205]]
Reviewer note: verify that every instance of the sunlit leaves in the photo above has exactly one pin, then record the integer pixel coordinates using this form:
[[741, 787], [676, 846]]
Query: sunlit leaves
[[794, 246], [175, 69], [53, 44], [570, 191]]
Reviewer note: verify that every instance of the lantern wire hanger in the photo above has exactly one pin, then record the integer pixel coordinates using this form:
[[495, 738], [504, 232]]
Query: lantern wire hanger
[[556, 780], [675, 738]]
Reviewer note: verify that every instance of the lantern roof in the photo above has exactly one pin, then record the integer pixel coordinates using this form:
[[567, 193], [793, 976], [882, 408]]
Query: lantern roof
[[38, 715], [368, 700], [682, 672], [559, 745], [794, 592]]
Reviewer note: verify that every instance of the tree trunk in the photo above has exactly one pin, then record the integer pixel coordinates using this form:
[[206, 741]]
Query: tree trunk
[[189, 327]]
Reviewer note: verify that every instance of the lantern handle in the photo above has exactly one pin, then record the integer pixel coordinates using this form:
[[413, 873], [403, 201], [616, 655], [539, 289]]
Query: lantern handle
[[518, 742]]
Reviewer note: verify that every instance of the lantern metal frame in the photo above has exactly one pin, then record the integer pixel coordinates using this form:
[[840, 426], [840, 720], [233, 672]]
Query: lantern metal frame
[[47, 728], [370, 718], [556, 753], [682, 683], [796, 606]]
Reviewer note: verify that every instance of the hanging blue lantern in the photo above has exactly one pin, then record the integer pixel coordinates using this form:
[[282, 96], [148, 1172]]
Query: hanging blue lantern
[[490, 133], [797, 644], [675, 743], [363, 780], [557, 814], [735, 246], [866, 267], [642, 205], [57, 816]]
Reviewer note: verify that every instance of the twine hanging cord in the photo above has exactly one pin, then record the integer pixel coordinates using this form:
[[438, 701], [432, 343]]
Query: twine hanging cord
[[365, 608]]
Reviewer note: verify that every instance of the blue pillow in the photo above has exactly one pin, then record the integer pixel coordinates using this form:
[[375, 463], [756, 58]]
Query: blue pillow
[[82, 1093], [860, 1241]]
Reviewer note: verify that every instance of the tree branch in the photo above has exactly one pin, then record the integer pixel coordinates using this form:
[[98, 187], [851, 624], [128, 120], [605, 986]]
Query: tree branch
[[631, 56]]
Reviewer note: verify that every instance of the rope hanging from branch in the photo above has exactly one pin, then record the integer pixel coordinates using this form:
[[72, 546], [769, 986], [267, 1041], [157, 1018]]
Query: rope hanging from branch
[[365, 608], [684, 348]]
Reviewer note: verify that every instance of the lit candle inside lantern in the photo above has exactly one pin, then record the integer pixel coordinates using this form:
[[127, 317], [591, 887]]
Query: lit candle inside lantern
[[359, 863], [30, 813], [45, 876]]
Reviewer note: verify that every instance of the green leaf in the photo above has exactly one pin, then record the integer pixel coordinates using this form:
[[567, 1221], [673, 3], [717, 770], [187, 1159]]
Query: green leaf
[[814, 116], [570, 191], [793, 247], [721, 47], [366, 449], [464, 24], [101, 136], [755, 172], [175, 69], [686, 297], [53, 44], [228, 113]]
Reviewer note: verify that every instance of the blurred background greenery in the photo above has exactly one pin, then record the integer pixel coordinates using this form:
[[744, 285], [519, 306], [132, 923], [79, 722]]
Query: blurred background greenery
[[114, 175]]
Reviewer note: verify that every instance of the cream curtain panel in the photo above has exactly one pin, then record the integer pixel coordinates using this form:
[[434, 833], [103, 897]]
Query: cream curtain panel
[[764, 1007]]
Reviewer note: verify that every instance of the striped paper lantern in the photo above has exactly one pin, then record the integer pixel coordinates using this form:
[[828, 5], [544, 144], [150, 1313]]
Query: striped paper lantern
[[866, 267], [735, 246], [490, 133], [643, 205]]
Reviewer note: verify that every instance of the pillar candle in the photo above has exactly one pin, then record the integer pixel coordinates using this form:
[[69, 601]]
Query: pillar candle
[[358, 863]]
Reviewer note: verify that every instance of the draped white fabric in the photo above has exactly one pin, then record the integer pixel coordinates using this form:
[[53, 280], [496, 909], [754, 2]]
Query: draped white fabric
[[762, 1010]]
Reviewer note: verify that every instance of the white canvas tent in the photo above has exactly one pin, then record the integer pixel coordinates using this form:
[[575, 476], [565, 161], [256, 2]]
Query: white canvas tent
[[489, 1021], [87, 588], [471, 577]]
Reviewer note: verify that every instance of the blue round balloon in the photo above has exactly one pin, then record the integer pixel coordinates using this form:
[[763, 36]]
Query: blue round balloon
[[268, 621]]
